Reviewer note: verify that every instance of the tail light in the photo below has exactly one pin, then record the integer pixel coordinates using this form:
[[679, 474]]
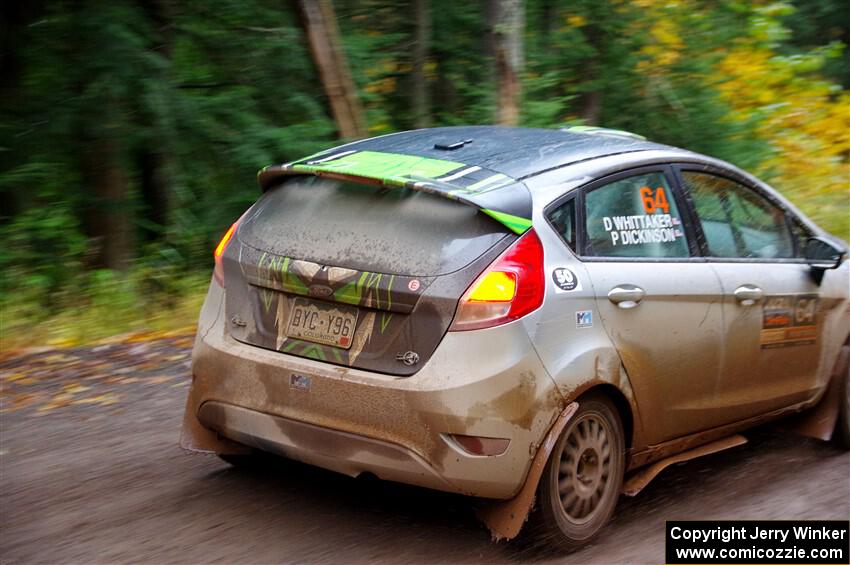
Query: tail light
[[218, 271], [511, 287]]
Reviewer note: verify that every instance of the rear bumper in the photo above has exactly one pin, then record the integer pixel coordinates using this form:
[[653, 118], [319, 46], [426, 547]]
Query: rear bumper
[[486, 383], [338, 451]]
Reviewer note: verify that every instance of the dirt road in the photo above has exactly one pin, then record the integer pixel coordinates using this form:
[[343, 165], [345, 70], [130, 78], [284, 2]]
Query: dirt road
[[90, 471]]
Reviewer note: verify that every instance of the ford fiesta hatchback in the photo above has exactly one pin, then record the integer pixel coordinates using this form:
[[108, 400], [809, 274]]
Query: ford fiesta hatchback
[[532, 317]]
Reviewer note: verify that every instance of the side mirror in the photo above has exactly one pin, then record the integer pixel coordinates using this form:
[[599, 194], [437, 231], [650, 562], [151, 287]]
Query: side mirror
[[822, 254]]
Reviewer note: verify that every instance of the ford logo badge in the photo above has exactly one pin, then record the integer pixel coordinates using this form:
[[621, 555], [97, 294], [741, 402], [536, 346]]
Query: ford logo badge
[[320, 290]]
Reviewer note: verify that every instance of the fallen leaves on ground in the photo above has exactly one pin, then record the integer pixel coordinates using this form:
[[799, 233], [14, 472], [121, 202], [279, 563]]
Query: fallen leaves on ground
[[45, 379]]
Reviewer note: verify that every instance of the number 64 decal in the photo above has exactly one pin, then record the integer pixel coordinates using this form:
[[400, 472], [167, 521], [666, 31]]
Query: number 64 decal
[[654, 200], [804, 310]]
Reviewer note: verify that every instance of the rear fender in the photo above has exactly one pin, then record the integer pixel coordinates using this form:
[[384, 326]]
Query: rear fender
[[193, 435], [601, 367], [505, 518]]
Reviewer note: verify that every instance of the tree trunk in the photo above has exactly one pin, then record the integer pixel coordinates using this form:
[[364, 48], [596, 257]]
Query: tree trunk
[[549, 21], [319, 22], [152, 156], [590, 101], [107, 208], [490, 10], [508, 31], [591, 107], [15, 19], [108, 215], [155, 186], [421, 97]]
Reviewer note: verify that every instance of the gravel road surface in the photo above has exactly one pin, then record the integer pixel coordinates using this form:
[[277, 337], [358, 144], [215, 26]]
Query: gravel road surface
[[90, 471]]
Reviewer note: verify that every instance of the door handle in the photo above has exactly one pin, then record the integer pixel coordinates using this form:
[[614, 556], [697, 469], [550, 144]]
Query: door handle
[[748, 294], [626, 296]]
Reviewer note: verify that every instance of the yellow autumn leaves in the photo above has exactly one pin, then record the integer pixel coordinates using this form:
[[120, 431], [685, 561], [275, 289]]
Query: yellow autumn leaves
[[801, 116], [42, 380], [806, 121]]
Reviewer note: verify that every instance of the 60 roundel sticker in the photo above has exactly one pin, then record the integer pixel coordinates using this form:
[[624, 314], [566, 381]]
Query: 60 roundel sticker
[[565, 280]]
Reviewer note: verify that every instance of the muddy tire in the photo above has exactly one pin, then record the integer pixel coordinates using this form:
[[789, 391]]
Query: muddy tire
[[581, 482], [842, 425]]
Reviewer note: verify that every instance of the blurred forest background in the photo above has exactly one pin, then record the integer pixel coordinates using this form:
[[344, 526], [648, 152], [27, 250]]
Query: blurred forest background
[[132, 130]]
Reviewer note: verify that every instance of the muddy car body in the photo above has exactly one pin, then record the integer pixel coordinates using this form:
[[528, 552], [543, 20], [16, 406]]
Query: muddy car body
[[505, 312]]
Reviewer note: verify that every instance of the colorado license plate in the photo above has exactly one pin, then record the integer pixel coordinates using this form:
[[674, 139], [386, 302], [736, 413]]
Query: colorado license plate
[[328, 324]]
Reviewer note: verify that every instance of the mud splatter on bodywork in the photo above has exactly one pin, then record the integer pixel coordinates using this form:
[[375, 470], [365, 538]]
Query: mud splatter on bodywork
[[413, 416]]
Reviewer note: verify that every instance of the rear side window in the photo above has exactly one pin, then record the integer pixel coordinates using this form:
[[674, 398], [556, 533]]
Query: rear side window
[[563, 219], [634, 217], [368, 227], [737, 221]]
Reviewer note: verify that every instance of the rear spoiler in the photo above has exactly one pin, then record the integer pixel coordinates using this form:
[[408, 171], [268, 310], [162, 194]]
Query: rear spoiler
[[501, 197]]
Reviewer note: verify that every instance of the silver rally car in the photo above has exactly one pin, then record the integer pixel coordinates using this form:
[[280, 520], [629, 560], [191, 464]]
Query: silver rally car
[[543, 319]]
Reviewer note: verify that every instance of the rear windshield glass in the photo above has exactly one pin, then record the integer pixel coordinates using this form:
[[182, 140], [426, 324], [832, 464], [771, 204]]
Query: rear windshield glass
[[369, 227]]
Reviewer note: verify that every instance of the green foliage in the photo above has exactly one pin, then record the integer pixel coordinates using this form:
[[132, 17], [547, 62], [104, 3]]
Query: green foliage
[[42, 245], [99, 304], [178, 104], [817, 23]]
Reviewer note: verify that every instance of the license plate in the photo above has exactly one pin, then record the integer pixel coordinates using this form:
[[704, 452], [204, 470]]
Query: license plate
[[328, 324]]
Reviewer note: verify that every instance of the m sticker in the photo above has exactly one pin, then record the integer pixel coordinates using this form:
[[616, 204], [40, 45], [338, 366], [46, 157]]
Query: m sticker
[[565, 280], [789, 320], [584, 319], [299, 382]]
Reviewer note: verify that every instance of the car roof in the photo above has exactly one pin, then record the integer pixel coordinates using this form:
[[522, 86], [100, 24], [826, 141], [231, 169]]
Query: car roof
[[513, 151], [482, 166]]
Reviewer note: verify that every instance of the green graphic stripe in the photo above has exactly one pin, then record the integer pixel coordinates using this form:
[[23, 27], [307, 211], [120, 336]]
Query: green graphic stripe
[[349, 294], [268, 297], [385, 320], [314, 352], [514, 223], [394, 169], [388, 167], [268, 264]]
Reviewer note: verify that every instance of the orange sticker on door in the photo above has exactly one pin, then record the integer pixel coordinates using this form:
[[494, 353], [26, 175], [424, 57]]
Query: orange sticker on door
[[789, 320]]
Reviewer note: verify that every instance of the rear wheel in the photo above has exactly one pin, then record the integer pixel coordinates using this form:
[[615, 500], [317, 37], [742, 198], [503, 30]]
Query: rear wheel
[[581, 483], [842, 426]]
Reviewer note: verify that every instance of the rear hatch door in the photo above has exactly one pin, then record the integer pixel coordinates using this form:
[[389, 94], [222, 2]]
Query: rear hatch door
[[356, 274]]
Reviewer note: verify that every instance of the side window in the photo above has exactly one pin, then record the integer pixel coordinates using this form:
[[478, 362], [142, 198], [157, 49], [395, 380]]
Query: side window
[[736, 220], [564, 221], [801, 236], [634, 217]]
